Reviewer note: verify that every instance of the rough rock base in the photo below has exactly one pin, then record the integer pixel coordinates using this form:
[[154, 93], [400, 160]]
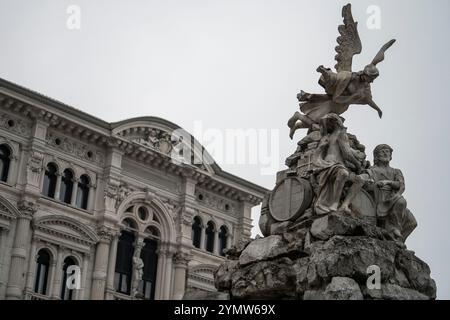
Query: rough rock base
[[332, 259]]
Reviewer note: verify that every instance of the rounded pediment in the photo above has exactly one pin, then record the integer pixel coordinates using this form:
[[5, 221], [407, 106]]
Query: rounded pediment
[[166, 138]]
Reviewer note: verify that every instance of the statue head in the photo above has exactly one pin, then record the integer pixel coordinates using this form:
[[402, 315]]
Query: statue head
[[370, 73], [382, 154], [330, 123]]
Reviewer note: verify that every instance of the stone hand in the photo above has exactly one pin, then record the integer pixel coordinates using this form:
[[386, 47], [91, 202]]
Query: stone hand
[[384, 185]]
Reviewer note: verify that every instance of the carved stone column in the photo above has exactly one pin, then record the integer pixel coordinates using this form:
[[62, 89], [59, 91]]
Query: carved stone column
[[56, 290], [168, 274], [84, 272], [91, 197], [52, 275], [203, 237], [19, 253], [31, 266], [73, 200], [180, 262], [101, 264], [58, 185], [216, 242], [112, 265]]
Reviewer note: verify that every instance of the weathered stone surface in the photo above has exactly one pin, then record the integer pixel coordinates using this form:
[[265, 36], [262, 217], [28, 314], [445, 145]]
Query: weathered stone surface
[[339, 224], [263, 249], [394, 292], [313, 295], [197, 294], [222, 277], [418, 273], [273, 279], [350, 257], [279, 227], [235, 251], [342, 288]]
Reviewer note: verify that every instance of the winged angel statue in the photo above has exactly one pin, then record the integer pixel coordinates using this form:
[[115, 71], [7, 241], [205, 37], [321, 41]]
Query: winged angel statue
[[343, 87]]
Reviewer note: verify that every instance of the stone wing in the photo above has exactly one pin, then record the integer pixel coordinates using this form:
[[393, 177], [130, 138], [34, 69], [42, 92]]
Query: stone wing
[[349, 42]]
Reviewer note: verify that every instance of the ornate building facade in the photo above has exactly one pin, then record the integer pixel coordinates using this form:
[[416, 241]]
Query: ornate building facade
[[78, 193]]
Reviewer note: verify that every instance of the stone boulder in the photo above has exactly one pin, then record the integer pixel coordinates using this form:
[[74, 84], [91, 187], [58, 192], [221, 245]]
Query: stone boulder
[[263, 249], [273, 279], [331, 258]]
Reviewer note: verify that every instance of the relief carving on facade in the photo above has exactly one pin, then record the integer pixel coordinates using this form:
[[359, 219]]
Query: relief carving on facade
[[182, 258], [34, 167], [106, 234], [75, 148], [115, 193], [15, 125], [27, 208], [215, 202], [158, 140]]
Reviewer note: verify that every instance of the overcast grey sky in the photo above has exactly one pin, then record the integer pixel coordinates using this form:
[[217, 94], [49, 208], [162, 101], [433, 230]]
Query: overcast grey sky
[[239, 65]]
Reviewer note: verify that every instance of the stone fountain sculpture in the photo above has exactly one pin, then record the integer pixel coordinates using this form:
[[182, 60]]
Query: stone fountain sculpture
[[334, 226]]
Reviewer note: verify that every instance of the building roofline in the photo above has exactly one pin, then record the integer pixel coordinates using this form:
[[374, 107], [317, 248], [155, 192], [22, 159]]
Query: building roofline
[[72, 111]]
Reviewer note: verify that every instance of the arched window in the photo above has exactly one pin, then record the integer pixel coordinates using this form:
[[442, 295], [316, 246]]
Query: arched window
[[50, 180], [5, 160], [223, 237], [197, 232], [83, 192], [43, 265], [150, 259], [130, 224], [124, 262], [65, 192], [210, 233], [66, 293]]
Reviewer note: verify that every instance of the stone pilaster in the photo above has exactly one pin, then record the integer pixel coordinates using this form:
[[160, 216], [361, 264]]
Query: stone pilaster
[[101, 263], [180, 262], [112, 265], [17, 270]]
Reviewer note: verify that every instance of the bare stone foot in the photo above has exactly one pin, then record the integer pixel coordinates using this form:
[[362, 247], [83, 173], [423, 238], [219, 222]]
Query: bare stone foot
[[292, 132], [292, 120]]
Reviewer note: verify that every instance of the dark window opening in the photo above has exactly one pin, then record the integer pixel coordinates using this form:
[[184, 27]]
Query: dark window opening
[[66, 293], [124, 262], [83, 192], [150, 259], [210, 230], [5, 160], [223, 235], [50, 181], [66, 189], [197, 232], [43, 264]]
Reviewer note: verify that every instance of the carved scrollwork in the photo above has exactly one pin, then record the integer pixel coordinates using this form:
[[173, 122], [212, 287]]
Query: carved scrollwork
[[182, 258], [106, 234], [15, 125]]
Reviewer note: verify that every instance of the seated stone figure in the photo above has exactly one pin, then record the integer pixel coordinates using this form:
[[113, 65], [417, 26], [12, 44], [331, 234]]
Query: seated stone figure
[[331, 165], [388, 189]]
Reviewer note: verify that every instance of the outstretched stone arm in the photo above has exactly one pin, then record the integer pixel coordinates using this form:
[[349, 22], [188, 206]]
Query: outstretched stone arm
[[373, 105]]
